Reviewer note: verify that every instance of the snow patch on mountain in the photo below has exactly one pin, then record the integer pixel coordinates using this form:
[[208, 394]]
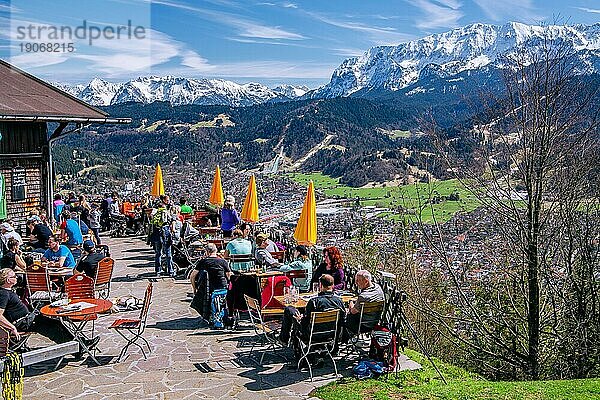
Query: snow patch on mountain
[[468, 48], [179, 91]]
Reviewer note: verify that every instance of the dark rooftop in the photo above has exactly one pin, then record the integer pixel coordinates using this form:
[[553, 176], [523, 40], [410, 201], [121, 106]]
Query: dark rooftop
[[25, 97]]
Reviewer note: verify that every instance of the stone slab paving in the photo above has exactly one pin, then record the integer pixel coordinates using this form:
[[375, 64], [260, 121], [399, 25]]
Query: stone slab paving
[[187, 361]]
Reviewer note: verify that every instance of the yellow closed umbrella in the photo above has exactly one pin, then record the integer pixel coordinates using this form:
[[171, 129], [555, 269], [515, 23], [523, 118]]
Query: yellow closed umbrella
[[250, 209], [158, 187], [216, 192], [306, 230]]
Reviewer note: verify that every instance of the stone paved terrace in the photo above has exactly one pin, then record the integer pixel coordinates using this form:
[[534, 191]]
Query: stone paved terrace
[[187, 361]]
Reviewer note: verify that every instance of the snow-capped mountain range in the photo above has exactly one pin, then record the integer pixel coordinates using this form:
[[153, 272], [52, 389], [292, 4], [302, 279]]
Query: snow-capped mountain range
[[179, 91], [453, 55], [446, 54]]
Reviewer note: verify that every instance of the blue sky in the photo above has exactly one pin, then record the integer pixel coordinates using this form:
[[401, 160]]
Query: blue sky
[[268, 41]]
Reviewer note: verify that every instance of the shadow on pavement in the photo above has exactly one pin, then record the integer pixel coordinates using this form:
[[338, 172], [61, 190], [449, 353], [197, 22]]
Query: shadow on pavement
[[179, 324]]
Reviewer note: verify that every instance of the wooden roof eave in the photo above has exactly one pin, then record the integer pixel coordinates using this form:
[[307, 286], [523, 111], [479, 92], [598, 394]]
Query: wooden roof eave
[[65, 119]]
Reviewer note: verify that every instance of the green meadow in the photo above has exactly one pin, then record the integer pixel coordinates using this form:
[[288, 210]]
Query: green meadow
[[407, 201]]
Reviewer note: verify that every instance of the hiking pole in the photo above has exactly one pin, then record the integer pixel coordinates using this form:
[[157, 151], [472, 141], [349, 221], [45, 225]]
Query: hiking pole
[[407, 323]]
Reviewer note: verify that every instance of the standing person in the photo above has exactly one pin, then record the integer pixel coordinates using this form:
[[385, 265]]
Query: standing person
[[218, 277], [229, 216], [160, 220], [104, 210], [94, 218], [239, 245], [71, 230], [84, 210], [184, 207], [58, 254], [332, 265], [40, 233], [301, 262], [58, 205]]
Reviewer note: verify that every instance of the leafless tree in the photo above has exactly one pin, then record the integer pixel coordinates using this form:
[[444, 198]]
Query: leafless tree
[[537, 150]]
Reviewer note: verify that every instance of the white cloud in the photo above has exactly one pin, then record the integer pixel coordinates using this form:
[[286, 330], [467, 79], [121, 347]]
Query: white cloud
[[590, 10], [253, 30], [377, 35], [501, 10], [246, 28], [438, 14], [275, 69], [290, 5]]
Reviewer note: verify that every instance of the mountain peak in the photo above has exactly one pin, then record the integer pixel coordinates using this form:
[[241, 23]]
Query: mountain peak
[[178, 91], [446, 54]]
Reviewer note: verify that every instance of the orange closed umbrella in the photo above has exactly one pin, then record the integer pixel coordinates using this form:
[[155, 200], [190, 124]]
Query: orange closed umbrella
[[158, 187], [306, 230], [216, 192], [250, 209]]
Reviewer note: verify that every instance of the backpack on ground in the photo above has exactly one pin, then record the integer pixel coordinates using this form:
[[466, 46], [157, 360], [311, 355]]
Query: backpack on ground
[[368, 369], [383, 347]]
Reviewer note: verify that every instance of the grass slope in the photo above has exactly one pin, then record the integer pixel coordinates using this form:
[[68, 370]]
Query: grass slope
[[462, 385], [411, 198]]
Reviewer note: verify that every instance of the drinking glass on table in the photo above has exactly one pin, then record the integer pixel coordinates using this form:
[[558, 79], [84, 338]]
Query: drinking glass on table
[[287, 295], [315, 287]]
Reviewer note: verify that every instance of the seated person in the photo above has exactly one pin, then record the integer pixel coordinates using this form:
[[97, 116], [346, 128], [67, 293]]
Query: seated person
[[333, 265], [271, 246], [369, 292], [58, 254], [12, 258], [40, 233], [88, 264], [218, 277], [8, 232], [263, 257], [298, 325], [15, 317], [70, 230], [239, 245], [301, 262]]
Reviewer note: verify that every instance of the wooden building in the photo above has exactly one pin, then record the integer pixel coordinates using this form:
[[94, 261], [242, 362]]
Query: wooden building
[[33, 114]]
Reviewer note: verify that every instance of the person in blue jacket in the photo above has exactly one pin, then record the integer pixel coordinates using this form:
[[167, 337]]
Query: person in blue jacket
[[230, 218]]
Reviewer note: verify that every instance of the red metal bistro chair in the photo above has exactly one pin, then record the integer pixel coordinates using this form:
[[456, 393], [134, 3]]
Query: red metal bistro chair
[[132, 329]]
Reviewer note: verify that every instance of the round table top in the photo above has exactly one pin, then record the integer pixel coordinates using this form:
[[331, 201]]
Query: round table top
[[100, 306]]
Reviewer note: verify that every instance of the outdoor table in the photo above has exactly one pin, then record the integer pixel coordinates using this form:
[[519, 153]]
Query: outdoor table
[[76, 320], [305, 297]]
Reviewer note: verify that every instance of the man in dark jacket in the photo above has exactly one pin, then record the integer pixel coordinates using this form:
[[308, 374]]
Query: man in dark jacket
[[89, 263], [299, 324]]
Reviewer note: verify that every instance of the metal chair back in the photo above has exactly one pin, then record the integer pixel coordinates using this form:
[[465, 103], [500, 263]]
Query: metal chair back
[[323, 335], [146, 304], [80, 287], [104, 276], [370, 313]]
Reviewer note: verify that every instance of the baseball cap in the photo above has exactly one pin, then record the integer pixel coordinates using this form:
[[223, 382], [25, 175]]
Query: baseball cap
[[88, 245], [263, 235], [34, 218], [6, 225]]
